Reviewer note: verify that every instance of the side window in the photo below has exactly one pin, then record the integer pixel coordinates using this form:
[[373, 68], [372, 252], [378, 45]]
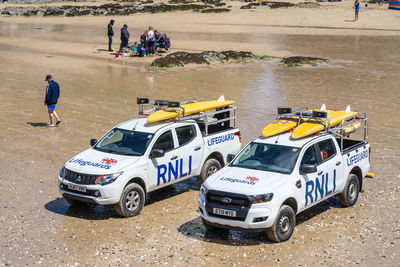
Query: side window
[[309, 157], [165, 142], [327, 149], [185, 134]]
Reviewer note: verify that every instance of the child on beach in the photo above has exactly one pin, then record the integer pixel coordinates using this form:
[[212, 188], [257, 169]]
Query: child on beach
[[357, 9]]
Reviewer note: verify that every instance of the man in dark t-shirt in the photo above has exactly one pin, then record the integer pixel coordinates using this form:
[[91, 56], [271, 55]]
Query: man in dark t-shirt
[[110, 33], [52, 94]]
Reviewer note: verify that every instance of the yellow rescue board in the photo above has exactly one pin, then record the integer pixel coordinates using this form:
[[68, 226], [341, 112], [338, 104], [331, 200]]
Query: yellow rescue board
[[334, 118], [190, 109], [277, 127]]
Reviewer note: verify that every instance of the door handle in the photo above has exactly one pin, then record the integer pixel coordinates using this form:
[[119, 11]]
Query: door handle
[[321, 172], [338, 163], [174, 157], [197, 148]]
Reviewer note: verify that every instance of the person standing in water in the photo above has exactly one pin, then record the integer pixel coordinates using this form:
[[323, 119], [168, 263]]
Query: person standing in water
[[110, 33], [357, 9], [52, 94]]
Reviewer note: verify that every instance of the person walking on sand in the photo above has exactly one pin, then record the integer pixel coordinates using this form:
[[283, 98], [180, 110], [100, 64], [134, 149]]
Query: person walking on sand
[[110, 33], [357, 9], [52, 94], [124, 38]]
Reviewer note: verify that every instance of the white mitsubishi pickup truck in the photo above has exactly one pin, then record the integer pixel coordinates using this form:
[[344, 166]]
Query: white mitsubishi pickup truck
[[137, 157], [273, 179]]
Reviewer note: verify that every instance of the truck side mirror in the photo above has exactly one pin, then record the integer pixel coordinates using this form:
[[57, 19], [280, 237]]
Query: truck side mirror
[[308, 168], [93, 142], [157, 153], [230, 157]]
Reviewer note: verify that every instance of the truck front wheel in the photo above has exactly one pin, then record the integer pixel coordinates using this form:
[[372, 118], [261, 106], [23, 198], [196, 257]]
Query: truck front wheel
[[210, 167], [284, 224], [349, 195], [132, 201]]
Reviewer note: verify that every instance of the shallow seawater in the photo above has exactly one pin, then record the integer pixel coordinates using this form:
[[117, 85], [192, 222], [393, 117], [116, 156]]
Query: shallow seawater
[[97, 94]]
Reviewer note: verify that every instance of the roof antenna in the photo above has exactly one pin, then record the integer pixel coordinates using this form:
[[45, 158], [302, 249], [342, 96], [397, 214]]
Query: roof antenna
[[348, 108], [221, 98], [277, 139], [134, 126], [323, 107]]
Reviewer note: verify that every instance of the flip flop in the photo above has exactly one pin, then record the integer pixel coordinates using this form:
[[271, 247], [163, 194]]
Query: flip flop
[[58, 122]]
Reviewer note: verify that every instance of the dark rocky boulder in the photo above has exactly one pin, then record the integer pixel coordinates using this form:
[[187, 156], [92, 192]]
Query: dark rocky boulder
[[270, 4], [215, 10], [180, 59], [299, 61]]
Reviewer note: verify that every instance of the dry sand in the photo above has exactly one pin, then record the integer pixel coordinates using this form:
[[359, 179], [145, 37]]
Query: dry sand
[[99, 91]]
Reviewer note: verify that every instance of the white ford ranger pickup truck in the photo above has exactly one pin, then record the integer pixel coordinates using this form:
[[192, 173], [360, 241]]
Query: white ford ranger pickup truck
[[137, 157], [273, 179]]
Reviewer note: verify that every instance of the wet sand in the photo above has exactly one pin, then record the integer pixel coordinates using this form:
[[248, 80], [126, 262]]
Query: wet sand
[[98, 91]]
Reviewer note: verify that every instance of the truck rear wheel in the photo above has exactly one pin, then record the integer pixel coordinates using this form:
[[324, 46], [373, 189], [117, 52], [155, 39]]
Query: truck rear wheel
[[132, 201], [284, 224], [350, 193], [210, 167]]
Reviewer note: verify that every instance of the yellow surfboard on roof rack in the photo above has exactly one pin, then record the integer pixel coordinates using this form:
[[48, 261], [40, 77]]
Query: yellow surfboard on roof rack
[[187, 109], [315, 125]]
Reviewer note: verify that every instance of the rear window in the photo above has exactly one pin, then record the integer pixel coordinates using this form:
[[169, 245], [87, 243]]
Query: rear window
[[185, 134], [327, 149]]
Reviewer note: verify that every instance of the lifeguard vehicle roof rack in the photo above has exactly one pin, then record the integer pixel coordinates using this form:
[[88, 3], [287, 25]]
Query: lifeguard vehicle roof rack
[[350, 125], [214, 117]]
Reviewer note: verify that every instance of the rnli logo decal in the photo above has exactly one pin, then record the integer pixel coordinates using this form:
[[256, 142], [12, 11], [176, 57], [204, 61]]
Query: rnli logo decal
[[109, 161], [284, 122], [252, 179]]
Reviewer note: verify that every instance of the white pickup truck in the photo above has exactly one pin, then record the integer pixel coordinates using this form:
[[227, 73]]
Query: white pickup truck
[[137, 157], [273, 179]]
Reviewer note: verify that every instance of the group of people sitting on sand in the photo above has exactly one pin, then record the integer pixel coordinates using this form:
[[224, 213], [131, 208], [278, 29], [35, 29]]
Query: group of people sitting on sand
[[150, 40]]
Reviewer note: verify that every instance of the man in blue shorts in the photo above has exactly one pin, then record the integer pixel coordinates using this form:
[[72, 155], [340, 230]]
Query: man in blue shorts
[[357, 9], [52, 94]]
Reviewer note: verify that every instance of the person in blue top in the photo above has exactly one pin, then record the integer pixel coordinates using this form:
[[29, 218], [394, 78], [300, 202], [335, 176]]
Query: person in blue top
[[357, 9], [52, 94]]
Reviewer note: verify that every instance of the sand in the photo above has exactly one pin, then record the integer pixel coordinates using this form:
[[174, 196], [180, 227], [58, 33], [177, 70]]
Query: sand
[[98, 91]]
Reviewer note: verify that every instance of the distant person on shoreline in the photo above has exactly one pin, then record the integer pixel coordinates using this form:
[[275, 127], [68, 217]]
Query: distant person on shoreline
[[124, 38], [52, 94], [357, 9], [110, 33], [151, 41]]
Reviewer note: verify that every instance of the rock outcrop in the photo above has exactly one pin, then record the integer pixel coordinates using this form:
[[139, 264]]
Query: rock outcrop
[[299, 61], [179, 59]]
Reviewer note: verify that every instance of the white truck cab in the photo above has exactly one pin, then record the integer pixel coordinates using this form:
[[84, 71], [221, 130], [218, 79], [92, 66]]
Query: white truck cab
[[137, 157], [273, 179]]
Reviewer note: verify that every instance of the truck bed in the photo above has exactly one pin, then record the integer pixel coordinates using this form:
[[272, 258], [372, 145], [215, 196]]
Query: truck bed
[[349, 144]]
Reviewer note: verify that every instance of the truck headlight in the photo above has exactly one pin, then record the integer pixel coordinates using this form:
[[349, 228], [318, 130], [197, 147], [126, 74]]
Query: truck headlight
[[203, 192], [108, 178], [62, 172], [262, 198]]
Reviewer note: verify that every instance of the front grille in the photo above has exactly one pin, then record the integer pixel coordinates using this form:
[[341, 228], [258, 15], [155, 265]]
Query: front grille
[[79, 178], [238, 202]]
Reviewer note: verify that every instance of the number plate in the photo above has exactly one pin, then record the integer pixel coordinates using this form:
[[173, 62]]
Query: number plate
[[230, 213], [77, 187]]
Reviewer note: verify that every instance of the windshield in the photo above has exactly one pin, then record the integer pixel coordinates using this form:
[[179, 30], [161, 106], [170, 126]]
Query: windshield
[[267, 157], [124, 142]]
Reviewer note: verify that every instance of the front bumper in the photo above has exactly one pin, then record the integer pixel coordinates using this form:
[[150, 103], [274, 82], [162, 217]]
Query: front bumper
[[95, 194], [257, 218]]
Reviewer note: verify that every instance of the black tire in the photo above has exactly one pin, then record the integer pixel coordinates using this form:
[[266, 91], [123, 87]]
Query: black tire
[[350, 193], [74, 202], [132, 201], [284, 224], [212, 228], [211, 166]]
